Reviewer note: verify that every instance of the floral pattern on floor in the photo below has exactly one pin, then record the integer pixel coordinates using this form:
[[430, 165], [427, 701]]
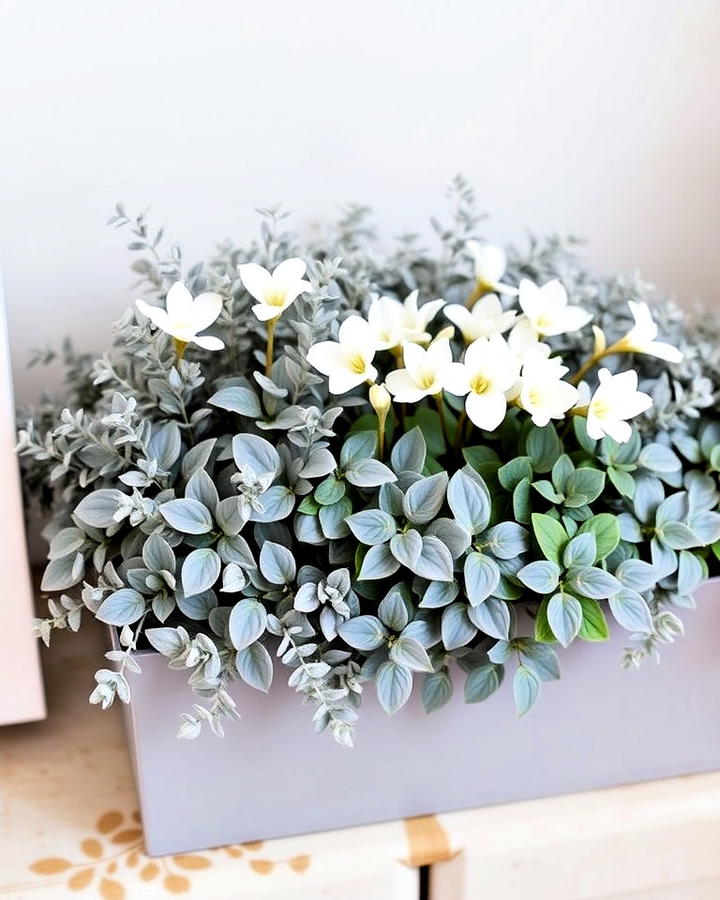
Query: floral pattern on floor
[[69, 824]]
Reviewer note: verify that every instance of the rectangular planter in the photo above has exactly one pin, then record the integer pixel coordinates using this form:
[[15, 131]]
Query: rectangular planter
[[272, 776]]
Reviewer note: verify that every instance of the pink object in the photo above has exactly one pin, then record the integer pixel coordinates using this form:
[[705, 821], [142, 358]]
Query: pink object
[[22, 698]]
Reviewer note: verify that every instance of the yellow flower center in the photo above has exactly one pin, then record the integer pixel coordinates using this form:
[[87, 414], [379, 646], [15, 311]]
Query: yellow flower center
[[276, 299], [356, 363], [600, 408], [543, 321], [427, 380], [479, 384]]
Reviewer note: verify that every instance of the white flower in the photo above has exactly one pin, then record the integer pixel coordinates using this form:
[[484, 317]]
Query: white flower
[[641, 337], [274, 292], [547, 308], [490, 264], [183, 318], [423, 373], [615, 400], [486, 318], [394, 322], [487, 373], [348, 361], [543, 393]]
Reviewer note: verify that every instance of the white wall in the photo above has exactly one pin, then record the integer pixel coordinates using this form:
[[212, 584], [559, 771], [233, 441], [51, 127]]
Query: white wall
[[598, 116]]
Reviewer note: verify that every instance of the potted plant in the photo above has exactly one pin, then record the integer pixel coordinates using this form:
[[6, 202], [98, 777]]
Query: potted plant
[[377, 475]]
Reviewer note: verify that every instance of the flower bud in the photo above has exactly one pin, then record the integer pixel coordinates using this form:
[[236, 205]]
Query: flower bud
[[380, 399]]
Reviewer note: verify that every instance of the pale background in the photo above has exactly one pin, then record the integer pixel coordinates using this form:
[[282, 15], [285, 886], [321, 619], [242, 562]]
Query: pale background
[[597, 116]]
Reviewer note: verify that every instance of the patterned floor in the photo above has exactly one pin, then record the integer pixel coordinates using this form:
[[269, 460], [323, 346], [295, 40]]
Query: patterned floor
[[69, 823]]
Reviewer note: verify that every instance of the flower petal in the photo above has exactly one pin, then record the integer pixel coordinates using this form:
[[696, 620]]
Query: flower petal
[[157, 315], [179, 303], [257, 280], [402, 387], [326, 357], [288, 273], [205, 310], [455, 379], [264, 313], [208, 342], [486, 410]]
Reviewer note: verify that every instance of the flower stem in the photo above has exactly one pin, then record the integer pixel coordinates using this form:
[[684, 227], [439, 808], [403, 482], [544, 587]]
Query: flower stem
[[475, 294], [179, 348], [594, 360], [438, 398], [270, 346]]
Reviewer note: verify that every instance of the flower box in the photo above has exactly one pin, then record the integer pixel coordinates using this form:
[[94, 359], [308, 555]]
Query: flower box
[[372, 480], [271, 776]]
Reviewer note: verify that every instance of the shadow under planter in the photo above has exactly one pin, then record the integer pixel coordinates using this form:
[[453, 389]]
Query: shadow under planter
[[272, 776]]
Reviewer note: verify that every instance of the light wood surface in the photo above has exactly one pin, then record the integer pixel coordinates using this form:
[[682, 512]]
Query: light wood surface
[[69, 827]]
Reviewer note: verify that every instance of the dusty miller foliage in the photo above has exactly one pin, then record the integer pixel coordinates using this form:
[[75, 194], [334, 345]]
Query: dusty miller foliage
[[238, 523]]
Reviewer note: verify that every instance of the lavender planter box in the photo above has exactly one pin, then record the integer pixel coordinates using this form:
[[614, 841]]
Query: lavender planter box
[[273, 776]]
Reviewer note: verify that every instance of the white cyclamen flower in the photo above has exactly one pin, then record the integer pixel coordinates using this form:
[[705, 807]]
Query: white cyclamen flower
[[641, 337], [274, 291], [547, 308], [423, 375], [543, 393], [490, 265], [488, 372], [486, 318], [183, 318], [615, 400], [348, 361], [394, 322]]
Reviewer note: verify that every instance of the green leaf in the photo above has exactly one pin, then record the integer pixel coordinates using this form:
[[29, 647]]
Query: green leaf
[[309, 506], [247, 622], [481, 683], [526, 687], [564, 616], [406, 548], [512, 473], [482, 576], [587, 483], [543, 447], [631, 611], [200, 571], [606, 529], [238, 399], [330, 491], [435, 562], [378, 563], [255, 666], [456, 628], [469, 500], [623, 481], [123, 607], [98, 509], [425, 497], [492, 617], [551, 537], [592, 582], [187, 516], [408, 454], [277, 563], [522, 505], [436, 690], [367, 473], [543, 631], [594, 625], [363, 632], [372, 526], [541, 576], [408, 652], [393, 684]]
